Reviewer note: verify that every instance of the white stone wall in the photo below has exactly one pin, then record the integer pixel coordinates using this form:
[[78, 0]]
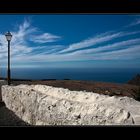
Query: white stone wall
[[46, 105]]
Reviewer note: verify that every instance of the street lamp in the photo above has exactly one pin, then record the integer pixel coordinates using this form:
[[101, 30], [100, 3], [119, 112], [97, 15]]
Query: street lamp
[[8, 36]]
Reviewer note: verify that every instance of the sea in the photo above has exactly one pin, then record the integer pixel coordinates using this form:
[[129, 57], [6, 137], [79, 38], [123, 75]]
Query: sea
[[115, 75]]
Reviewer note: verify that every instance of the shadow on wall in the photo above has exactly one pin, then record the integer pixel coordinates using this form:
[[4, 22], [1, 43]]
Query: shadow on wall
[[2, 82], [8, 118], [0, 94]]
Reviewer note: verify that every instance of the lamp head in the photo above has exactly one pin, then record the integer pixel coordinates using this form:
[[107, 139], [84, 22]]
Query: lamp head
[[8, 36]]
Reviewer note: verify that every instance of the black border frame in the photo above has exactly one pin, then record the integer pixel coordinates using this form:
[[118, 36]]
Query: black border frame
[[72, 7], [67, 6]]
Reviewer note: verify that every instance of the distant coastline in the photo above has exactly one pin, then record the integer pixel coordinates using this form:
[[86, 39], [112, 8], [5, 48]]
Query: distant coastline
[[115, 75]]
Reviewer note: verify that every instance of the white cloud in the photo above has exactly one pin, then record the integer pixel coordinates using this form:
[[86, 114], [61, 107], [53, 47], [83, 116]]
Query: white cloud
[[92, 41], [134, 23], [48, 49], [96, 40], [44, 38], [109, 47], [19, 43]]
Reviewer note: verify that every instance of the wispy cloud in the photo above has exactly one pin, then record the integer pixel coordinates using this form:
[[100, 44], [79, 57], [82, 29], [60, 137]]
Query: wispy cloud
[[134, 23], [110, 47], [92, 41], [20, 45], [102, 38], [47, 49], [131, 52], [44, 38], [126, 53]]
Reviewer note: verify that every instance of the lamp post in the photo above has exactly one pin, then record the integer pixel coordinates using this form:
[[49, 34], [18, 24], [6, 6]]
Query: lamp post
[[8, 36]]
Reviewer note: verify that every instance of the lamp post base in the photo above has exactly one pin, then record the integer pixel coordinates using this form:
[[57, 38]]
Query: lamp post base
[[8, 78]]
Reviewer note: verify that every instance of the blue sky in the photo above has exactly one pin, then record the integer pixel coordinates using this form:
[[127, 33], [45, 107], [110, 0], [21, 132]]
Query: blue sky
[[71, 41]]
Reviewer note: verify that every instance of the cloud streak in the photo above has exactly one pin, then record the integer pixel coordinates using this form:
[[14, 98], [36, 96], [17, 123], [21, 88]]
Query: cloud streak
[[134, 23], [99, 39], [92, 41], [44, 38], [109, 47]]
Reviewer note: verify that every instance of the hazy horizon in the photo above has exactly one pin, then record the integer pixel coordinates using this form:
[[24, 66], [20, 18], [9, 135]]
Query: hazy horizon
[[116, 75]]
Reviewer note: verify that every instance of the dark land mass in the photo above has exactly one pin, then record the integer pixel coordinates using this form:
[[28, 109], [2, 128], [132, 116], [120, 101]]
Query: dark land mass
[[135, 80]]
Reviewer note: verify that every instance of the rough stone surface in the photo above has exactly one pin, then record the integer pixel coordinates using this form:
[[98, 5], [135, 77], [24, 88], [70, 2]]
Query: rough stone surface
[[46, 105]]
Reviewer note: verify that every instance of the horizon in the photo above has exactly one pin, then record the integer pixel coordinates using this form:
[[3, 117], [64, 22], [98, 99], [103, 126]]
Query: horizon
[[114, 75], [71, 41]]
